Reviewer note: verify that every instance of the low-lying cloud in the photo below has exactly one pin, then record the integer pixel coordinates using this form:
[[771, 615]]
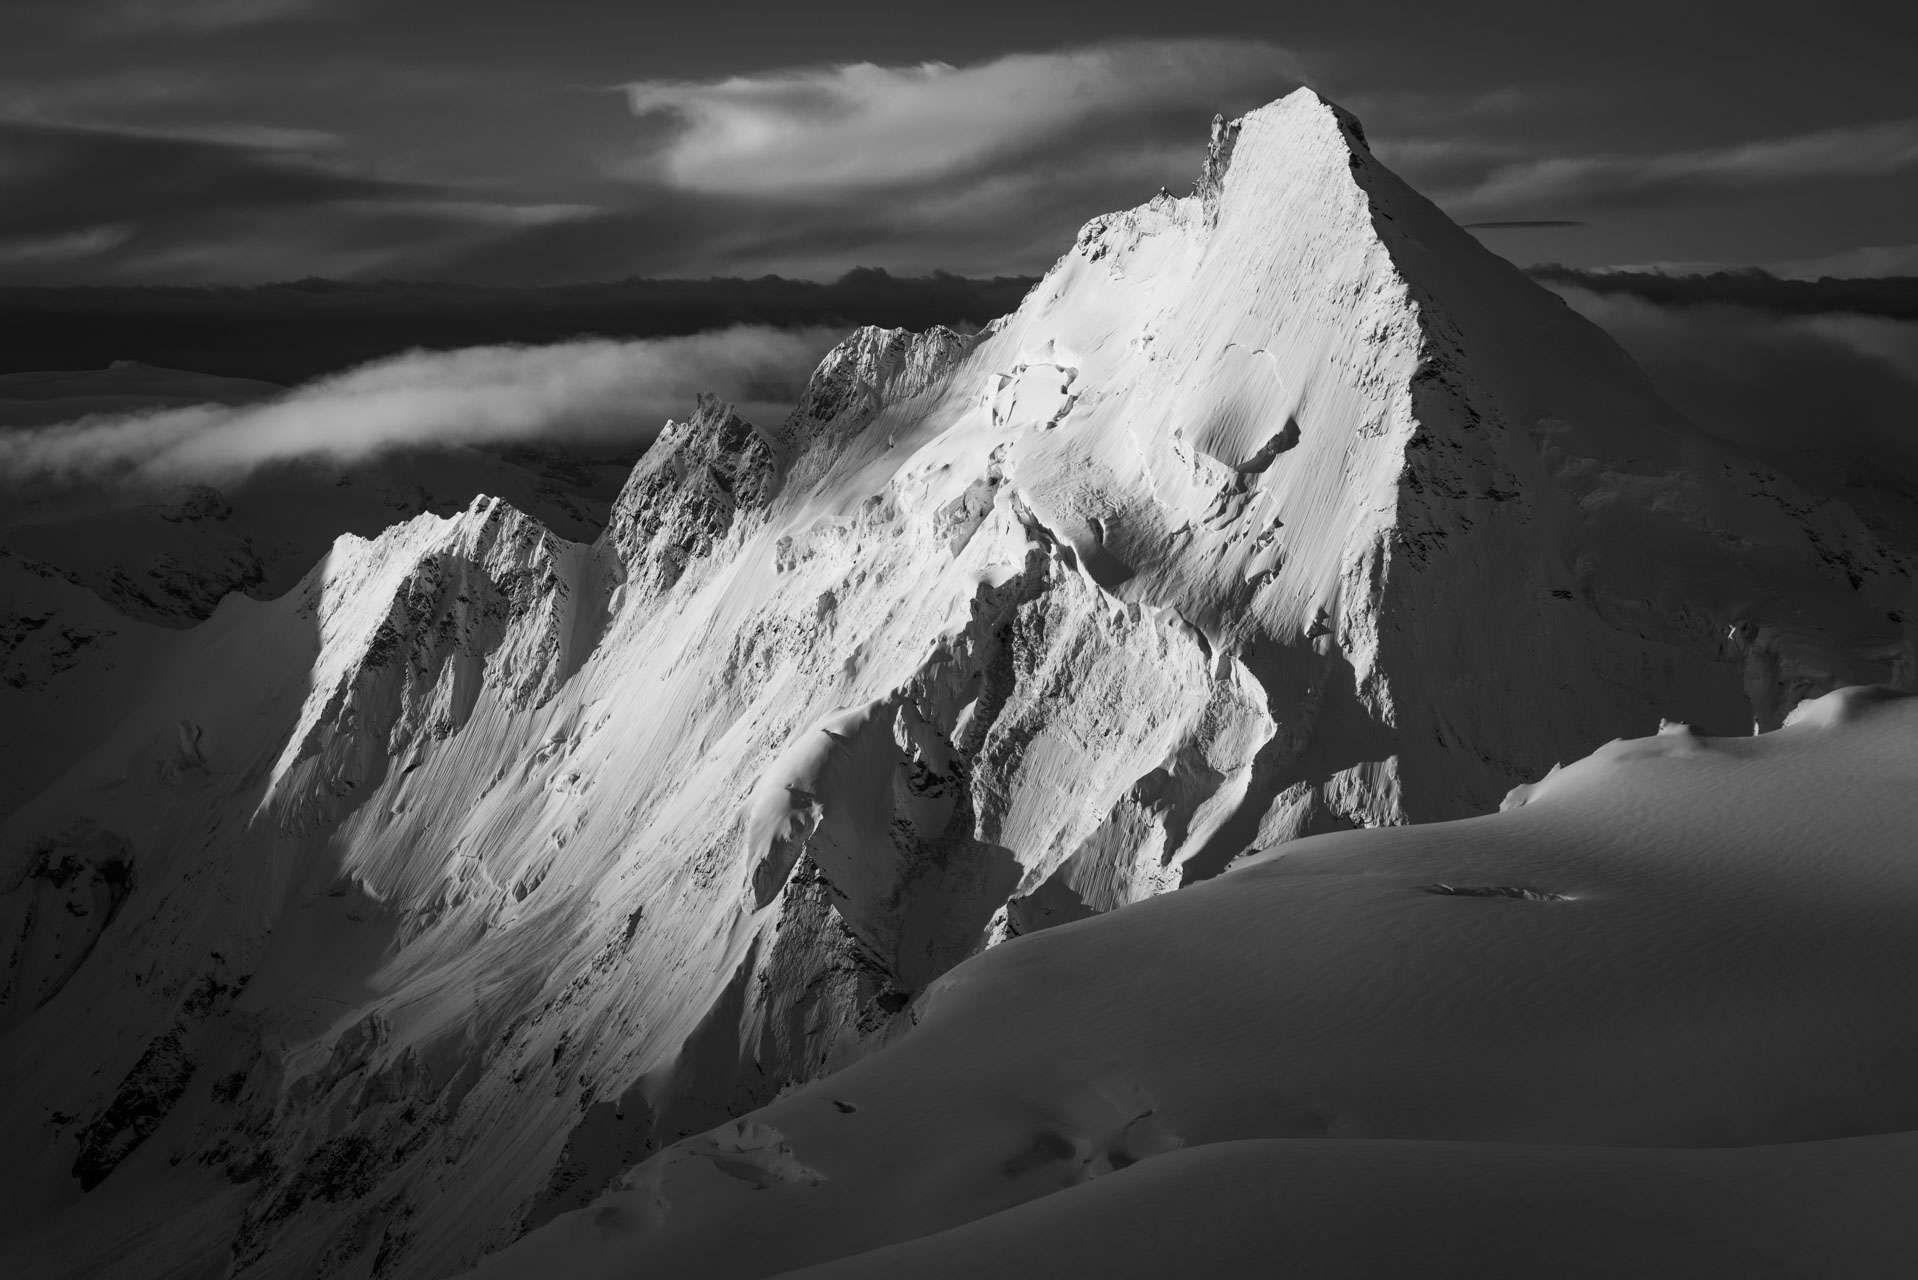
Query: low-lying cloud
[[589, 391], [1830, 398], [1745, 288]]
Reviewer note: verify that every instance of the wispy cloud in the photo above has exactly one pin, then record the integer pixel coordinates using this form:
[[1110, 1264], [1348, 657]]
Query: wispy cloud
[[984, 168], [861, 126], [226, 204], [1857, 152], [593, 390], [202, 15], [63, 246], [77, 98]]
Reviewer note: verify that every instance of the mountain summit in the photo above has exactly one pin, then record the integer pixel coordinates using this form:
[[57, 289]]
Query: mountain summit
[[401, 914]]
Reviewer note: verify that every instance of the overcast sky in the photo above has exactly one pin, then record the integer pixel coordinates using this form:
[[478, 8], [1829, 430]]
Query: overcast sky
[[532, 141]]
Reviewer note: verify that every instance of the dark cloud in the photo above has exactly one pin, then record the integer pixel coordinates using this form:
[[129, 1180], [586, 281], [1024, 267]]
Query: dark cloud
[[192, 17], [207, 15], [61, 175], [89, 203]]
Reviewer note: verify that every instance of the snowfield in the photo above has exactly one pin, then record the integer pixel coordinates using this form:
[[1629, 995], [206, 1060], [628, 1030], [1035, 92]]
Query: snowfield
[[1648, 1020], [489, 890]]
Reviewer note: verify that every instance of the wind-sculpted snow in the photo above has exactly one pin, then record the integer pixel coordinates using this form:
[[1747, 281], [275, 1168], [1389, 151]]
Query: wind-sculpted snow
[[1687, 1042], [1277, 509]]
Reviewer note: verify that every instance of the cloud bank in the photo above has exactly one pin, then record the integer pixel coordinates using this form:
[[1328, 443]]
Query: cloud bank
[[1829, 398], [582, 391]]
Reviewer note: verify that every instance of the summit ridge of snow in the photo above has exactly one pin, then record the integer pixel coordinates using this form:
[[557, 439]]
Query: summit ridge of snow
[[483, 864]]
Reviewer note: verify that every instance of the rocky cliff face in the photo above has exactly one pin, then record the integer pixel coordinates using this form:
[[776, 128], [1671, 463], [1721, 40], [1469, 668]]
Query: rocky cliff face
[[437, 892]]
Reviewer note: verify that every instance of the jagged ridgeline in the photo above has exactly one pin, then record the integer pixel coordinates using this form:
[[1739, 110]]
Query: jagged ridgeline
[[365, 928]]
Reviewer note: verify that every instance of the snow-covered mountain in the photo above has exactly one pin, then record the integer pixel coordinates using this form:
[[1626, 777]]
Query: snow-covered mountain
[[364, 929]]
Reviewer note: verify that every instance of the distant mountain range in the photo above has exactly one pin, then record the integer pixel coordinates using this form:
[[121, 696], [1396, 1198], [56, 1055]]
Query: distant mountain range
[[291, 332]]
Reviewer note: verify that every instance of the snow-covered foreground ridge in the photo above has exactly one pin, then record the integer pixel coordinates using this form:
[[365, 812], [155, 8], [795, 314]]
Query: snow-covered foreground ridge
[[361, 930], [1651, 1020]]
